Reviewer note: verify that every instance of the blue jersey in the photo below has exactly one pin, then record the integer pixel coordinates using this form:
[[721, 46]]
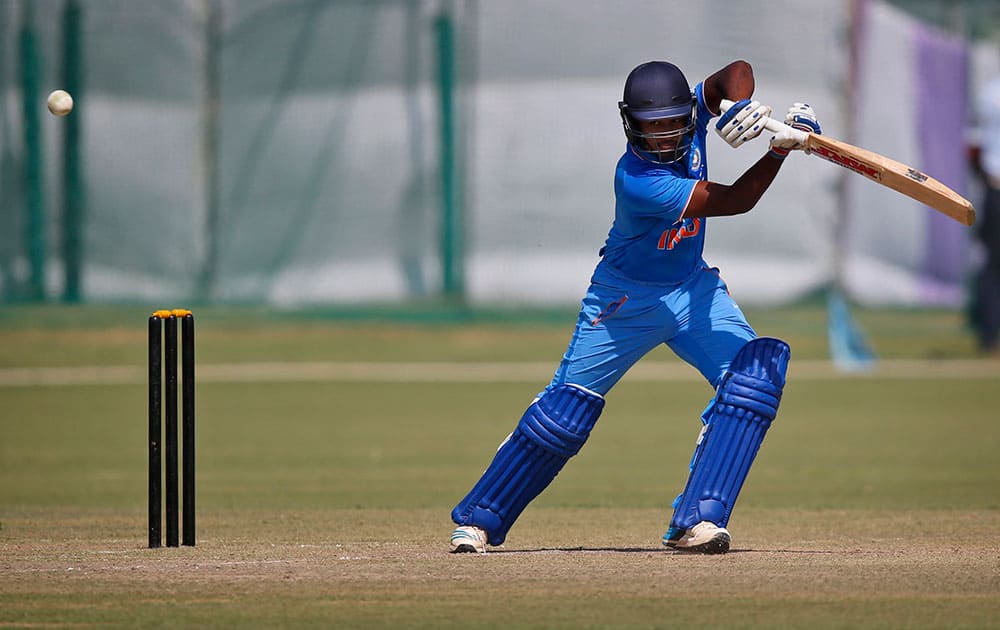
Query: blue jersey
[[649, 241]]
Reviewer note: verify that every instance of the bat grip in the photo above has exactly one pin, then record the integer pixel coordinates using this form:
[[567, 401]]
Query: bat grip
[[771, 124]]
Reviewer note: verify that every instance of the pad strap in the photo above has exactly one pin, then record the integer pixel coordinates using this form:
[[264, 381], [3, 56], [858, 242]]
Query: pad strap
[[552, 430]]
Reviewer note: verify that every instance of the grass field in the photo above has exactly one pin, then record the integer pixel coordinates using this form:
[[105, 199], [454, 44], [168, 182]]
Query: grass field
[[331, 449]]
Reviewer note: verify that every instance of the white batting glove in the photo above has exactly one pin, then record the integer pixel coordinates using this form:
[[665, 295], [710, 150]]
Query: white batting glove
[[800, 117], [742, 122]]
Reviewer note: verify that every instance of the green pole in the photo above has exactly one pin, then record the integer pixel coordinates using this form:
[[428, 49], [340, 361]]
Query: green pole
[[34, 200], [453, 280], [73, 190], [210, 112], [9, 190]]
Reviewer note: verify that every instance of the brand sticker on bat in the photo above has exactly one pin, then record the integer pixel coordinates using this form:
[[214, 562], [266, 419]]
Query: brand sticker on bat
[[848, 162], [916, 176]]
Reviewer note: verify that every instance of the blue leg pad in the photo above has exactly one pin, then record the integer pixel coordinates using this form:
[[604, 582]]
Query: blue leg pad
[[552, 430], [735, 423]]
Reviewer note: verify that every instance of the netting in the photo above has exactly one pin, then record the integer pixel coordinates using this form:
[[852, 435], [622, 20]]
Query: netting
[[342, 151]]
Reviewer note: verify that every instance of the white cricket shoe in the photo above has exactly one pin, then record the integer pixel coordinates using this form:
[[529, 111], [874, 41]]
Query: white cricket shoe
[[705, 537], [468, 539]]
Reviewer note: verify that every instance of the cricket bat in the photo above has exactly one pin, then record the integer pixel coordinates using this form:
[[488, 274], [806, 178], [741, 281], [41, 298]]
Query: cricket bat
[[883, 170]]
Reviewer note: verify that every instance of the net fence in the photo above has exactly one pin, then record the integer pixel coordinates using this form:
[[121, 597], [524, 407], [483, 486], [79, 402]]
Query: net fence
[[345, 151]]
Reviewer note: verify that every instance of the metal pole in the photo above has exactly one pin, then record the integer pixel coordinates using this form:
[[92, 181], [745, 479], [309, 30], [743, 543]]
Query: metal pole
[[34, 186], [73, 202], [452, 275], [210, 109]]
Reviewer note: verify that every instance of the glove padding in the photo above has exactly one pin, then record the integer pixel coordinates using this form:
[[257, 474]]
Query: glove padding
[[800, 116], [742, 122]]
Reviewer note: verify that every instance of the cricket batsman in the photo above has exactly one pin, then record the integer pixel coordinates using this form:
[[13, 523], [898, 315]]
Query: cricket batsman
[[652, 286]]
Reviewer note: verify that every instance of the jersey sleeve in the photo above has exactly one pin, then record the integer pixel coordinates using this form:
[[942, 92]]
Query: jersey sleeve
[[704, 114]]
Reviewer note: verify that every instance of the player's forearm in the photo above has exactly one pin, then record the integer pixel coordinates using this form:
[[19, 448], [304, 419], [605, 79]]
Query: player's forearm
[[716, 200], [751, 186]]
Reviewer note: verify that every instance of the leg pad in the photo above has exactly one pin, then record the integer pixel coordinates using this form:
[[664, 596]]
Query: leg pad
[[552, 430], [735, 423]]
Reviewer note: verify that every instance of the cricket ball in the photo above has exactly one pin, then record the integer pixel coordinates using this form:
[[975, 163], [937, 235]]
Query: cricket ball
[[60, 103]]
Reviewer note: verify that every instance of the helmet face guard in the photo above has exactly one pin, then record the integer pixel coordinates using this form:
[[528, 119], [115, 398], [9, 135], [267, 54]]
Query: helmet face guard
[[658, 91], [661, 147]]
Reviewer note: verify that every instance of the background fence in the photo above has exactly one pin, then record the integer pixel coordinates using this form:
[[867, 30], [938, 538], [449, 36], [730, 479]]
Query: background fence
[[351, 151]]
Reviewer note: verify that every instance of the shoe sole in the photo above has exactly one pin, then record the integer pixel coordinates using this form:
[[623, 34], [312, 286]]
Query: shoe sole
[[466, 548], [719, 544]]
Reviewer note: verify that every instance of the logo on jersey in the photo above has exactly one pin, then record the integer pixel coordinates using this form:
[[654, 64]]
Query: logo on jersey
[[695, 167], [687, 229]]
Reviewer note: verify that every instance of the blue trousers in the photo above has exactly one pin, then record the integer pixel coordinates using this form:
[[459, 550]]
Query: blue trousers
[[621, 320]]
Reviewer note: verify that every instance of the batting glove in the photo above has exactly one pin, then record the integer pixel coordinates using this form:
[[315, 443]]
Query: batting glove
[[742, 122], [800, 116]]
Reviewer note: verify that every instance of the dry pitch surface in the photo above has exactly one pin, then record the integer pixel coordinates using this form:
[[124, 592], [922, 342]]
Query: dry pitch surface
[[560, 568]]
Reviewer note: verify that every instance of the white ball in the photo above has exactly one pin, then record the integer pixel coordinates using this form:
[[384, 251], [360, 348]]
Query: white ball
[[60, 103]]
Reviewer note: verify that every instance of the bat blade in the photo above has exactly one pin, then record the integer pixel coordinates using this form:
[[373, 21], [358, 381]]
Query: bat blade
[[886, 171], [895, 175]]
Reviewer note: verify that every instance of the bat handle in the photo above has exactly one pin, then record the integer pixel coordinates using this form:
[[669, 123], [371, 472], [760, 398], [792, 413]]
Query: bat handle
[[771, 124]]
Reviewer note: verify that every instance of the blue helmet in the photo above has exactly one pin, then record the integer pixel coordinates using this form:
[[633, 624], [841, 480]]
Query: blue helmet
[[657, 90]]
